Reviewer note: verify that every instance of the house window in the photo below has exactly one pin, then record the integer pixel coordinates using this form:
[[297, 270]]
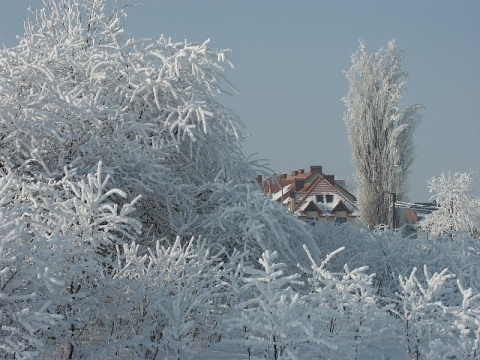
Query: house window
[[319, 198], [329, 198], [340, 220], [311, 220]]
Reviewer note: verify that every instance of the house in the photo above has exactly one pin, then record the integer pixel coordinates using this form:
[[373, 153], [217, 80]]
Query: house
[[312, 195], [414, 215]]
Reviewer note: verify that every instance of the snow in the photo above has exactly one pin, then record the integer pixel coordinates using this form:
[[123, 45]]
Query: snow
[[282, 193], [218, 352]]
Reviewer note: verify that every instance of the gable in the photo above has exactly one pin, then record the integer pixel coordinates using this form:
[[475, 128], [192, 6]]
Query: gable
[[341, 207], [311, 207]]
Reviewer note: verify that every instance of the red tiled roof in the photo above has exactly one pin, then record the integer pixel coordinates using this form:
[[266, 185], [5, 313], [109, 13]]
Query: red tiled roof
[[317, 187]]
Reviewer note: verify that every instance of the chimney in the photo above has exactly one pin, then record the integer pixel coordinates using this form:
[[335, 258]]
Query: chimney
[[299, 184], [315, 168], [330, 179], [291, 206], [285, 176], [302, 171], [260, 180]]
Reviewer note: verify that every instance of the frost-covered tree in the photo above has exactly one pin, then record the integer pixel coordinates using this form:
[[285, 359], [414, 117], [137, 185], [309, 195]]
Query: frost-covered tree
[[78, 90], [458, 209], [274, 316], [380, 131]]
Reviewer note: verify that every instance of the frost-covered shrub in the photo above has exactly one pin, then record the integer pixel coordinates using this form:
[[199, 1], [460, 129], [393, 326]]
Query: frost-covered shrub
[[267, 312], [333, 315], [247, 220], [346, 310], [389, 255], [170, 298], [435, 325], [428, 306], [71, 226], [25, 316], [272, 317], [461, 339], [421, 309]]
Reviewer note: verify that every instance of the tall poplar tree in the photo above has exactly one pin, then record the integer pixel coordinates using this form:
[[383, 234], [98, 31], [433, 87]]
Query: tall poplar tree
[[380, 131]]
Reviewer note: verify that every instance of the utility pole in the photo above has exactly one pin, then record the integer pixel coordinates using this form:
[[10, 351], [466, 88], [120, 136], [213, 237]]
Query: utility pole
[[394, 210], [393, 222]]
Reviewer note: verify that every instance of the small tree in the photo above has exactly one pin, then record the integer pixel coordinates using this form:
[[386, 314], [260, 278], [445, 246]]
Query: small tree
[[379, 130], [458, 210], [273, 315], [169, 297], [421, 309], [346, 310]]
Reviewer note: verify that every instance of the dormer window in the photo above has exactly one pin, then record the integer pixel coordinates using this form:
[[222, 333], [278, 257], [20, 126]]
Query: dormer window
[[329, 198], [319, 198]]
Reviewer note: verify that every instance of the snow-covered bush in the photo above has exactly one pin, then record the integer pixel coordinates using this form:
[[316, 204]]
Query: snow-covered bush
[[170, 298], [273, 316], [72, 225], [441, 318], [334, 315], [347, 311], [464, 329], [389, 255], [427, 306], [420, 308], [25, 317]]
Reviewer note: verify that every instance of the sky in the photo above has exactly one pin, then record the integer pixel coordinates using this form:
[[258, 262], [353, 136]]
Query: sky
[[289, 57]]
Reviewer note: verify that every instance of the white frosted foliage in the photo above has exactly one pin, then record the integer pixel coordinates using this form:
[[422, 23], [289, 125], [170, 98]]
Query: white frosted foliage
[[380, 131], [458, 208]]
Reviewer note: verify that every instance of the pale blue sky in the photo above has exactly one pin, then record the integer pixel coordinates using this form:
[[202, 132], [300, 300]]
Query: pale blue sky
[[289, 58]]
